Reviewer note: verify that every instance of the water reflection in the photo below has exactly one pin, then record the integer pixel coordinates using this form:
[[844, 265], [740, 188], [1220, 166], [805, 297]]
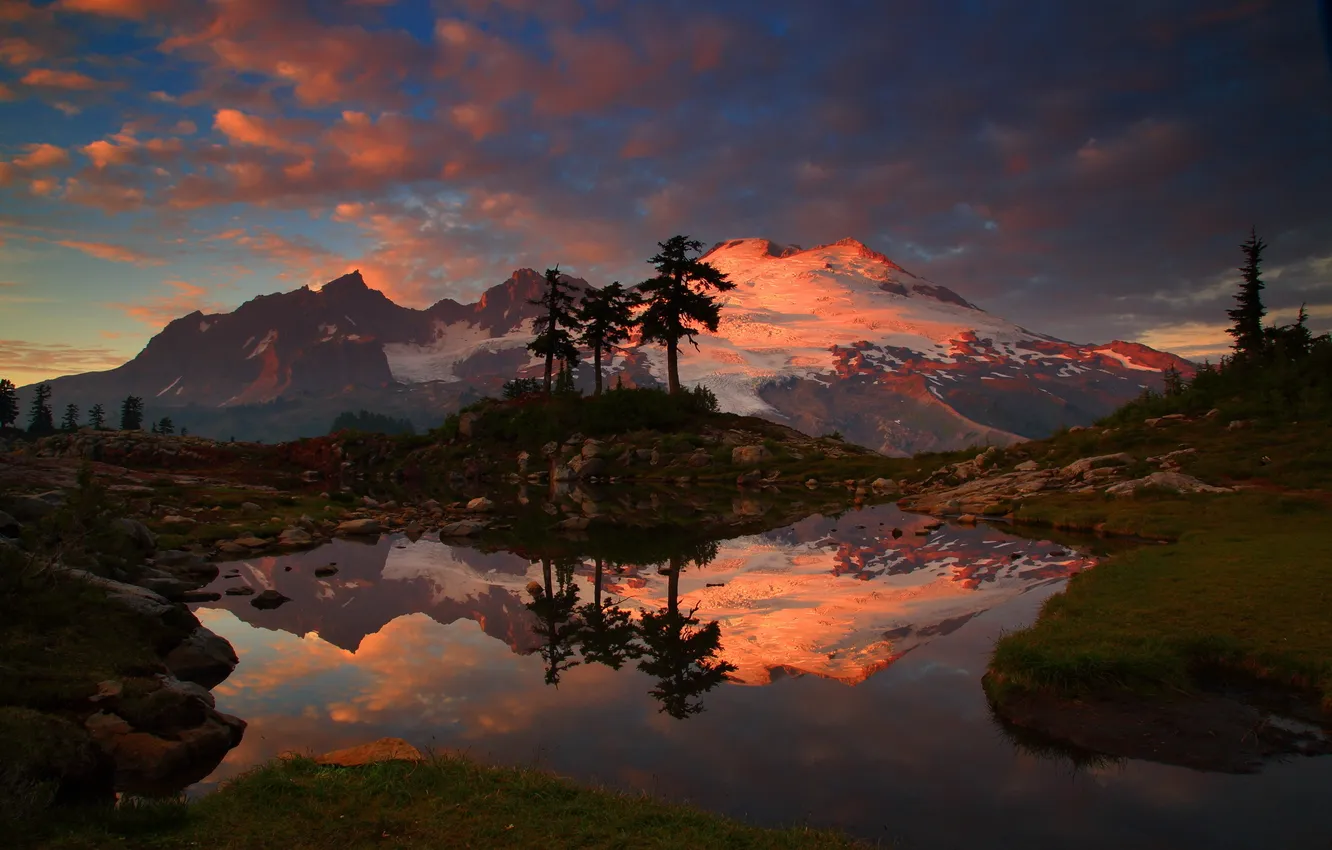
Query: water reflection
[[675, 648], [839, 666]]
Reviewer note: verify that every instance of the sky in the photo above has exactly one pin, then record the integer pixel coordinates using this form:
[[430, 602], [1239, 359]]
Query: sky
[[1087, 170]]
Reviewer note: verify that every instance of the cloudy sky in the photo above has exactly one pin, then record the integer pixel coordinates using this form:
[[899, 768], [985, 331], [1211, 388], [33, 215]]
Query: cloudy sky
[[1085, 169]]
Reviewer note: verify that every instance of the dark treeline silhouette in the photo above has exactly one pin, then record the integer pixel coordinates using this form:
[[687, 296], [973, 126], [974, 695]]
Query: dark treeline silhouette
[[669, 644], [1273, 371], [41, 417], [377, 423]]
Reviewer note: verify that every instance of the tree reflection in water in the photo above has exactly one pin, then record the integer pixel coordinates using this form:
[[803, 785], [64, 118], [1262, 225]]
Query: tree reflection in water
[[669, 644]]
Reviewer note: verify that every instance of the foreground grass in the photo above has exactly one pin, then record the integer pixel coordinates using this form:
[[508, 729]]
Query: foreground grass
[[444, 802], [1246, 586]]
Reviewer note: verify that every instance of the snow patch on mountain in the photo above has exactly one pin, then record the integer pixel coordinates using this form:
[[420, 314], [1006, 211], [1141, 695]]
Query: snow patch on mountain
[[263, 345], [164, 390], [1127, 361], [452, 344]]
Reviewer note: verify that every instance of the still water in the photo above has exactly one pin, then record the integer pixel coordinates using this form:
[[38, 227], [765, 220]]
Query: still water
[[839, 686]]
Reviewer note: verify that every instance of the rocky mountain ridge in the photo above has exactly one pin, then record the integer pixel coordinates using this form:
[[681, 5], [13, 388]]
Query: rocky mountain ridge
[[832, 338]]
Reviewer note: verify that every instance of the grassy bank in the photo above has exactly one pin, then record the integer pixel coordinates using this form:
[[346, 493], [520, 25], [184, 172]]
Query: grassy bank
[[1245, 586], [443, 802]]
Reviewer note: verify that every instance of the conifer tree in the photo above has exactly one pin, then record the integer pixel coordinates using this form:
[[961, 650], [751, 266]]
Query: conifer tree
[[554, 339], [97, 417], [8, 403], [131, 413], [166, 426], [1248, 311], [607, 317], [679, 303], [40, 418], [70, 422]]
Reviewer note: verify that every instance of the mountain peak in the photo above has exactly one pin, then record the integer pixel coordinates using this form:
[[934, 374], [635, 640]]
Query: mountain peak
[[351, 282]]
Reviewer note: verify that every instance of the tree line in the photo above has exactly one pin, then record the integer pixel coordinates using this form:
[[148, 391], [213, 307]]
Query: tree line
[[1271, 370], [41, 417], [677, 303]]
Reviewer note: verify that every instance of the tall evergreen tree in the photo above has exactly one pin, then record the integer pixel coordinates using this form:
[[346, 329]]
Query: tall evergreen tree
[[40, 418], [97, 416], [131, 413], [679, 303], [70, 422], [8, 403], [607, 316], [166, 426], [554, 337], [1248, 311]]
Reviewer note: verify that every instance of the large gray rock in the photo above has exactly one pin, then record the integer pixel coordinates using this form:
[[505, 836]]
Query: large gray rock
[[295, 536], [1174, 482], [204, 658], [1084, 465], [138, 534], [592, 467], [9, 527], [359, 526], [27, 508], [462, 528], [140, 600]]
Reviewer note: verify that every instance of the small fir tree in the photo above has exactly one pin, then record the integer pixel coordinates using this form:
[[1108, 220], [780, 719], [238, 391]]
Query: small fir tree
[[166, 426], [554, 339], [1247, 314], [1174, 382], [70, 422], [607, 315], [131, 413], [40, 418], [97, 417], [8, 403], [679, 303]]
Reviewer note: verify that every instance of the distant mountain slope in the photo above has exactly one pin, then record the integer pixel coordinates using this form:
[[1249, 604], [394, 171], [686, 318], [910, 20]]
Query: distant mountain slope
[[837, 337]]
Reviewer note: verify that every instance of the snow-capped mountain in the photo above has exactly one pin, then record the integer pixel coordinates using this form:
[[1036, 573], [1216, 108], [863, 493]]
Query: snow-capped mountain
[[836, 337]]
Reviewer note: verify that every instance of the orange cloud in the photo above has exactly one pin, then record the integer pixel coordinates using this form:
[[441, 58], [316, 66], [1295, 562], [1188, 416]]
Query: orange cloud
[[43, 186], [113, 253], [28, 362], [160, 310], [136, 10], [243, 129], [6, 93], [41, 156], [71, 80], [19, 51], [111, 196]]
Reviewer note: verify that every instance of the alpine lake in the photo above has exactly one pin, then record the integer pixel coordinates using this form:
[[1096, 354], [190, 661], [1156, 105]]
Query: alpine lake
[[825, 671]]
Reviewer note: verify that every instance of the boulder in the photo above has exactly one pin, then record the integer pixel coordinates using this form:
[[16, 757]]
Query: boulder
[[592, 468], [9, 527], [550, 449], [385, 749], [467, 424], [269, 599], [139, 535], [523, 458], [250, 507], [204, 658], [138, 599], [1027, 466], [325, 571], [358, 526], [27, 508], [240, 590], [1084, 465], [699, 459], [481, 505], [750, 455], [593, 448], [249, 541], [176, 519], [294, 536], [462, 528], [1175, 482], [574, 523], [884, 485]]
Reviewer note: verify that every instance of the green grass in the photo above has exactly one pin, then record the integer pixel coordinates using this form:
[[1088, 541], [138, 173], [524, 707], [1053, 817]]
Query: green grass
[[1245, 587], [443, 802]]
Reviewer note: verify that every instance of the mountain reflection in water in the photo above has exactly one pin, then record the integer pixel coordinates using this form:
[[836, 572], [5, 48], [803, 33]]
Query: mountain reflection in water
[[829, 673]]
